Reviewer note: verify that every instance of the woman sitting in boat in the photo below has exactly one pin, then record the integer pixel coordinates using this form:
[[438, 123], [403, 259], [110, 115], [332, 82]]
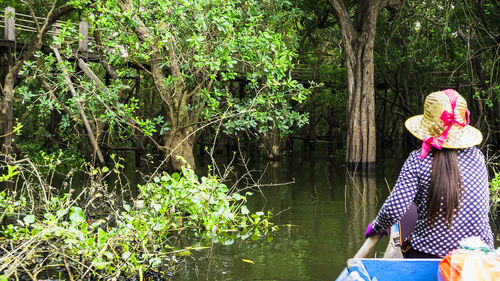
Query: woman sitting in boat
[[446, 179]]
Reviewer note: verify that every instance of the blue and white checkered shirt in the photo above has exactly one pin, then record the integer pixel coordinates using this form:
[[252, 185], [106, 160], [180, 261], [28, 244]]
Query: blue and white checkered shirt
[[413, 185]]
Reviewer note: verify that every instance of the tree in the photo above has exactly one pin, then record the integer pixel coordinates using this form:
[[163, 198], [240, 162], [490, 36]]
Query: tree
[[55, 12], [434, 45], [477, 25], [192, 50], [358, 40]]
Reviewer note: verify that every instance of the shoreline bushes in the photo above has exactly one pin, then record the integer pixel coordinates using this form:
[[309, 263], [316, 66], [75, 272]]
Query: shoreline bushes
[[97, 235]]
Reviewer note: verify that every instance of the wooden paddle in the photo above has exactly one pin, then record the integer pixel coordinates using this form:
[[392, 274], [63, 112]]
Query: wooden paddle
[[367, 246]]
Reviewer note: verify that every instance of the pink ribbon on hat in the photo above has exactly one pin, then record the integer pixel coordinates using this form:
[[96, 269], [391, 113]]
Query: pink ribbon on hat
[[449, 120]]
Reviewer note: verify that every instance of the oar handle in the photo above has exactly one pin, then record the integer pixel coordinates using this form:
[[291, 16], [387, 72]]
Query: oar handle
[[367, 246]]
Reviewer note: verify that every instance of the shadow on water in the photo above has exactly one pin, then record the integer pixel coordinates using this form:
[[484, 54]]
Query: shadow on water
[[322, 218]]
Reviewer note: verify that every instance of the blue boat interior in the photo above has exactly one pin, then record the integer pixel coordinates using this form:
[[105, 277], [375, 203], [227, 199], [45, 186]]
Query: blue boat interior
[[390, 270]]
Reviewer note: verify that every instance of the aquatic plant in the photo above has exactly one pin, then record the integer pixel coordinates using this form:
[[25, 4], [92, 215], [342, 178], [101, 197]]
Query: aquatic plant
[[99, 236]]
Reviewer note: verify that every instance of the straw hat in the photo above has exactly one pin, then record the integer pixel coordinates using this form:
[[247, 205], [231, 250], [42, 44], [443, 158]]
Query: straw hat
[[430, 123]]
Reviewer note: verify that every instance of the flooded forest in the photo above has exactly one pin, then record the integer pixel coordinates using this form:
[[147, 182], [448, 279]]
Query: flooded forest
[[222, 140]]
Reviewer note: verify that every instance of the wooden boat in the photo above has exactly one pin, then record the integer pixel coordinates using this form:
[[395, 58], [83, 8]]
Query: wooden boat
[[392, 267]]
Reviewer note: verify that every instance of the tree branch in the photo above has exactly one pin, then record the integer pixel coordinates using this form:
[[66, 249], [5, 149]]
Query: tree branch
[[143, 35], [344, 20]]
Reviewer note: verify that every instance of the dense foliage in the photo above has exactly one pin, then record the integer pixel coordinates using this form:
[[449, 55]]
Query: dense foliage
[[170, 78], [176, 73], [104, 240]]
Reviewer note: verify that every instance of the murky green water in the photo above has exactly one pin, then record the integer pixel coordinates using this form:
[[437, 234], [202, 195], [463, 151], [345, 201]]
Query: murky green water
[[322, 218]]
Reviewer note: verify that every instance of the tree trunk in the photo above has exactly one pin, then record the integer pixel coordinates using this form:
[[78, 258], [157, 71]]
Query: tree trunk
[[179, 148], [361, 137], [358, 40], [6, 114], [179, 141], [273, 142]]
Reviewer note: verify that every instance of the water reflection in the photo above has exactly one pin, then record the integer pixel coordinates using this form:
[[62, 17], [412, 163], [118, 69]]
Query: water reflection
[[361, 207], [322, 217]]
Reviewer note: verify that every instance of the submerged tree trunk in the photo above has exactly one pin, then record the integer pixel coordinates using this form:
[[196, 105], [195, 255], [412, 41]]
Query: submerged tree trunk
[[358, 40], [272, 144], [361, 137]]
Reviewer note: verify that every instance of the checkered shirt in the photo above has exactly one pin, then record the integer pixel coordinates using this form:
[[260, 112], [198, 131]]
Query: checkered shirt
[[413, 185]]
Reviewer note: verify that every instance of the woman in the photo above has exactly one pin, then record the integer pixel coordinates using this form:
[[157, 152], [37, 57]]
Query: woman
[[446, 179]]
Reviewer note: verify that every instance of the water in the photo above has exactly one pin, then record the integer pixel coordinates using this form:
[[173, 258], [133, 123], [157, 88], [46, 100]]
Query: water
[[322, 218]]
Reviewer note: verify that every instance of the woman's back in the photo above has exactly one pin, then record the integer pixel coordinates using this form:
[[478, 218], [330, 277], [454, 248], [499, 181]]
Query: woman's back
[[471, 219]]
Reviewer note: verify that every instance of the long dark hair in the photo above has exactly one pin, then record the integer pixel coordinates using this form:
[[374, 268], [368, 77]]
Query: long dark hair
[[445, 189]]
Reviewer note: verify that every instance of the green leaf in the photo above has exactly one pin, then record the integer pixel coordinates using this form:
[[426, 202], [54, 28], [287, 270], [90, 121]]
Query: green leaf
[[102, 236], [255, 235], [154, 262], [108, 255], [100, 264], [228, 242], [156, 206], [126, 207], [126, 255], [60, 213], [159, 226], [76, 216], [29, 219]]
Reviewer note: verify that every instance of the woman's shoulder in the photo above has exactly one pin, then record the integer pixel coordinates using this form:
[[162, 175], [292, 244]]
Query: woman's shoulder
[[415, 154], [472, 163], [472, 166], [470, 152], [415, 161]]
